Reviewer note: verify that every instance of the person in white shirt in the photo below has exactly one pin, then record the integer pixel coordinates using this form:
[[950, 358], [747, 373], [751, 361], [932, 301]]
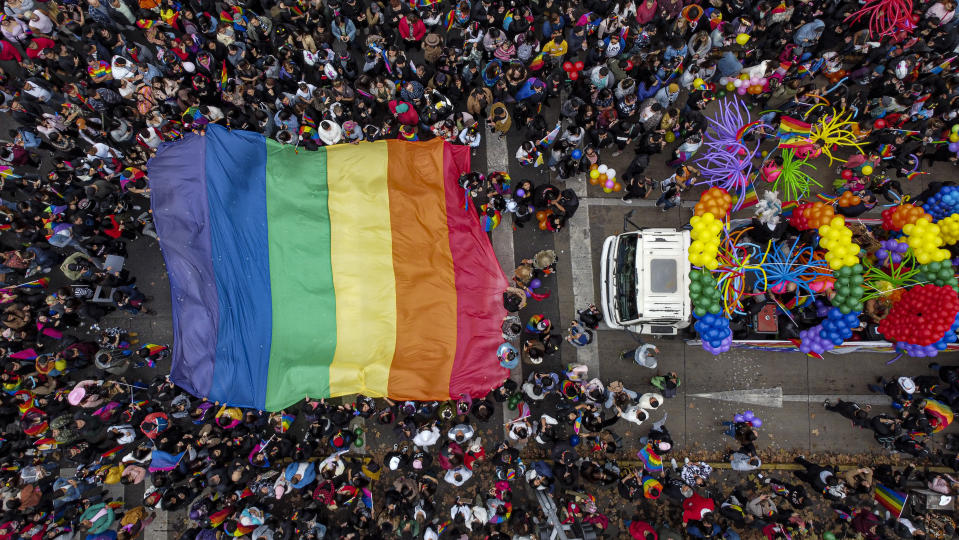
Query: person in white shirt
[[38, 92], [427, 437], [458, 475]]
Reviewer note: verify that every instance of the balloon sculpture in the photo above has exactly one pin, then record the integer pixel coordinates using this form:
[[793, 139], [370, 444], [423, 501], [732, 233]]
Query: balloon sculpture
[[944, 203], [715, 201], [712, 326], [925, 240], [573, 69], [602, 175], [923, 322], [794, 183], [843, 257], [891, 252], [727, 160], [886, 17], [748, 417]]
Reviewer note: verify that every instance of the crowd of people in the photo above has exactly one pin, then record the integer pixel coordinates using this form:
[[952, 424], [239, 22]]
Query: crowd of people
[[93, 87]]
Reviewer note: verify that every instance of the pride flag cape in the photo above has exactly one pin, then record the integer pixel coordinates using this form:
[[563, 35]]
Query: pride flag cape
[[939, 414], [891, 500], [351, 269]]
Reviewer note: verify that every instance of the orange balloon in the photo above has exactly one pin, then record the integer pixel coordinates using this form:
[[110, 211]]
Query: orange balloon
[[541, 215], [617, 187], [594, 181], [603, 178], [542, 225]]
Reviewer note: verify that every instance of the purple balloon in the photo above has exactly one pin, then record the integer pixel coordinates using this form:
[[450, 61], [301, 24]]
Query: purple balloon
[[520, 192], [748, 415], [535, 283], [756, 422], [739, 418]]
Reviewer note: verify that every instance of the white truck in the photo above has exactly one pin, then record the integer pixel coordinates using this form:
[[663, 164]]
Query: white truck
[[645, 281]]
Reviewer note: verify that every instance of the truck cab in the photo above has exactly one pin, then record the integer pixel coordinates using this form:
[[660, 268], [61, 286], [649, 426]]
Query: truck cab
[[645, 281]]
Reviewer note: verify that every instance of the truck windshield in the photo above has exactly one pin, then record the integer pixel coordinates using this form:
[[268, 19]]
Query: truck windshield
[[626, 279]]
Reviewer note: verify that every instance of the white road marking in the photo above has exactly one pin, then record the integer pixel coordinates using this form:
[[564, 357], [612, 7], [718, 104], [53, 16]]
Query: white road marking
[[774, 397]]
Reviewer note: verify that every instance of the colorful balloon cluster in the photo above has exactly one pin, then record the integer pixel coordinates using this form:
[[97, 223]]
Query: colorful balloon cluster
[[573, 69], [748, 417], [601, 175], [831, 333], [923, 321], [705, 244], [949, 228], [940, 273], [944, 203], [925, 240], [715, 333], [704, 293], [848, 199], [715, 201], [897, 217], [811, 215], [891, 252], [837, 239], [744, 84], [849, 289]]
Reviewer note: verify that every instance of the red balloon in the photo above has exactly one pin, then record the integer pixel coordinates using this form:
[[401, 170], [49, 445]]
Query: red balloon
[[567, 66], [880, 123], [579, 66], [573, 75], [846, 174], [915, 18]]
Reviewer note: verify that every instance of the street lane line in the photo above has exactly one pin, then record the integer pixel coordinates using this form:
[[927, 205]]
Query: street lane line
[[497, 159], [581, 260], [774, 397]]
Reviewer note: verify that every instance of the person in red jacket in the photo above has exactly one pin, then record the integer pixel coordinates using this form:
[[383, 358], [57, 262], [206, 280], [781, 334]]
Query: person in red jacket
[[38, 44], [696, 507], [8, 51], [412, 30], [640, 530], [404, 112]]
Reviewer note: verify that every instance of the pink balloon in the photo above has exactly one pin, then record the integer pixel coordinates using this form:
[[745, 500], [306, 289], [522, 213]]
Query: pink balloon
[[741, 90], [610, 184]]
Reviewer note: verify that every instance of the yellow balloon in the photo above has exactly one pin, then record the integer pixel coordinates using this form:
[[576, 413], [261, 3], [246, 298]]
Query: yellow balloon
[[742, 39], [954, 137], [594, 173], [697, 82], [867, 170]]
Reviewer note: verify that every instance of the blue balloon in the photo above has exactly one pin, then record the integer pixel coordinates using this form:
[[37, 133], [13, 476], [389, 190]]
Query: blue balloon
[[739, 418], [577, 153], [748, 415]]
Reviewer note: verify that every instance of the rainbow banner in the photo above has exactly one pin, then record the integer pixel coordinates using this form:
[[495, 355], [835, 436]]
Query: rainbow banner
[[890, 499], [351, 269]]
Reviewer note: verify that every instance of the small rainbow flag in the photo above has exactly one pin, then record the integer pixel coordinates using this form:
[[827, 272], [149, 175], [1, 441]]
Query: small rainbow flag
[[217, 518], [788, 124], [651, 461], [448, 20], [891, 500], [145, 23], [224, 77], [101, 69], [286, 420], [652, 488], [749, 198], [940, 415], [111, 452], [537, 62]]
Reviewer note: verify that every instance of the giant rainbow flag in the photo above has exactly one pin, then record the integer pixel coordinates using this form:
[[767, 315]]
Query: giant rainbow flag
[[352, 269]]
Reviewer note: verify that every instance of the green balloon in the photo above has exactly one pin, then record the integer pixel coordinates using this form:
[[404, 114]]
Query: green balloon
[[715, 308], [828, 536], [857, 269], [358, 432], [695, 288], [358, 442]]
